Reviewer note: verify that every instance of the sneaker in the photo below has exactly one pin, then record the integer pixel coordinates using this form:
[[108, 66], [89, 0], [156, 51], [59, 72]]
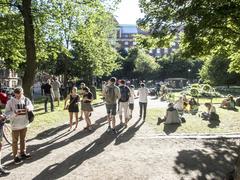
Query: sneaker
[[25, 156], [108, 129], [17, 160], [4, 172]]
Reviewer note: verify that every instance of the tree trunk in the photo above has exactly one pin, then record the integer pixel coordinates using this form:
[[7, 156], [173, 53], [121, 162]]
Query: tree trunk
[[31, 62]]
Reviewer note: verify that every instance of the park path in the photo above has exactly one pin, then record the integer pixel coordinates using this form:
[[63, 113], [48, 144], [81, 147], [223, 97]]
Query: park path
[[59, 154]]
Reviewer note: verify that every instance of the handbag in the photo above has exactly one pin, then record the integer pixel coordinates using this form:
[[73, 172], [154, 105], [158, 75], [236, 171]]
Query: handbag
[[30, 114]]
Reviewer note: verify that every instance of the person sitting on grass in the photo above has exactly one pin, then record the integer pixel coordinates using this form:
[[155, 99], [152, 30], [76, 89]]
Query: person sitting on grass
[[193, 106], [211, 113], [228, 103], [179, 105], [172, 116]]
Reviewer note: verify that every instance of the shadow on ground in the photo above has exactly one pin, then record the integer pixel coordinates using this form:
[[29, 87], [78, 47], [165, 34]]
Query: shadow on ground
[[96, 147], [215, 161], [131, 131], [39, 151], [170, 128]]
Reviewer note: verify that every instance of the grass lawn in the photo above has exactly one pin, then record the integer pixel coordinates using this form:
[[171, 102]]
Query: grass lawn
[[229, 122], [44, 121]]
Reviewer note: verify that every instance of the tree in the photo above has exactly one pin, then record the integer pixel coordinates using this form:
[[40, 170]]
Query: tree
[[38, 32], [176, 65], [208, 26], [138, 64], [215, 71]]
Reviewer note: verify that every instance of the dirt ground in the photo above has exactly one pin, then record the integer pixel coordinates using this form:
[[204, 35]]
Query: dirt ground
[[135, 152]]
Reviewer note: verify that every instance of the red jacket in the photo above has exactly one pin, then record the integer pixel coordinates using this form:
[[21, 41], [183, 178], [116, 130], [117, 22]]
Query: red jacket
[[3, 98]]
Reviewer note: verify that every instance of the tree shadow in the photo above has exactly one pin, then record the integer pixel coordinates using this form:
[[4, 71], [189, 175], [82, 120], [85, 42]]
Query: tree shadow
[[131, 131], [170, 128], [40, 150], [96, 147], [215, 161]]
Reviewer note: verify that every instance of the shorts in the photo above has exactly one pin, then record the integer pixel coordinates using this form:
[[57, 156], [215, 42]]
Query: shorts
[[131, 106], [56, 94], [111, 109]]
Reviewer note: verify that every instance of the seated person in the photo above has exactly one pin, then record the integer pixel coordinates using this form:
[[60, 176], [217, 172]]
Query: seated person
[[228, 103], [172, 116], [179, 104], [231, 103], [211, 115], [224, 103], [193, 106], [186, 106]]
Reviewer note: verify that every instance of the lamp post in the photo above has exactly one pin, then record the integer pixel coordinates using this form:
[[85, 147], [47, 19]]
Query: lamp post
[[189, 71]]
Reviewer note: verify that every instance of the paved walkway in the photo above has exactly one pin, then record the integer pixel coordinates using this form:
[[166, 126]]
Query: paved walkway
[[131, 154]]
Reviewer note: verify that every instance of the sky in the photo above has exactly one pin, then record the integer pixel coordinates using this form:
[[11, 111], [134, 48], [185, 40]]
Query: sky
[[128, 12]]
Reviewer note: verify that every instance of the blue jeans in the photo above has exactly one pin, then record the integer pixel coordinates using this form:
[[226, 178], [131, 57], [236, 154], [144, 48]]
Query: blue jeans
[[48, 97], [143, 108]]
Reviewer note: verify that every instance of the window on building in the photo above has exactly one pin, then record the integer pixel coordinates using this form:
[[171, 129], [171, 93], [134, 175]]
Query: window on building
[[14, 84], [125, 35], [126, 43], [158, 51], [134, 43], [165, 50]]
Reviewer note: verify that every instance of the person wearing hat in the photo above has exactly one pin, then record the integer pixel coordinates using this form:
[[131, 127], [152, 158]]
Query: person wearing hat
[[16, 110]]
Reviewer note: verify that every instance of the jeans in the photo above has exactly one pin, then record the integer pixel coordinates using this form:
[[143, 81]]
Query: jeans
[[50, 97], [15, 136], [143, 106]]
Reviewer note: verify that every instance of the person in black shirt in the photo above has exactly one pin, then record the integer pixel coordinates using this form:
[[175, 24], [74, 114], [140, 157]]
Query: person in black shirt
[[87, 106], [48, 92]]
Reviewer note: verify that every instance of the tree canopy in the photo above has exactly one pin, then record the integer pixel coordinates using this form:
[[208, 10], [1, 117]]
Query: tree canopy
[[53, 27], [206, 27]]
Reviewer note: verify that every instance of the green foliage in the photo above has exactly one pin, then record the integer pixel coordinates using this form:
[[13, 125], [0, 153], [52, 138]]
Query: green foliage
[[176, 65], [215, 71], [208, 27], [137, 64], [60, 25]]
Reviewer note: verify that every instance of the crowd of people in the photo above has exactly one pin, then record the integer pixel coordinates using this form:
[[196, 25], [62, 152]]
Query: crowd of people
[[118, 97]]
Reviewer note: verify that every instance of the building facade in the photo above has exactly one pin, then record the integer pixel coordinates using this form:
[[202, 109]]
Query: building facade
[[9, 78], [126, 39]]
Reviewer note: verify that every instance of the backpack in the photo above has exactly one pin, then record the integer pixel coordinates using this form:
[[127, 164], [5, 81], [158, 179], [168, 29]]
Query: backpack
[[110, 95], [124, 90], [29, 113]]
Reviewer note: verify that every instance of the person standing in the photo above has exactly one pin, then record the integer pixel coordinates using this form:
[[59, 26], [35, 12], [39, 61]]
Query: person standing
[[16, 110], [3, 172], [48, 92], [73, 108], [81, 92], [56, 89], [111, 94], [131, 100], [123, 101], [143, 93], [87, 107]]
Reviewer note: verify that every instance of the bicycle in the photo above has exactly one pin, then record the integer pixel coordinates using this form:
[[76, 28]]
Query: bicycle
[[7, 132]]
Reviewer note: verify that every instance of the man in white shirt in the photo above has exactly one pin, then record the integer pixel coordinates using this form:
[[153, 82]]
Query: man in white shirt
[[16, 110], [143, 93]]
